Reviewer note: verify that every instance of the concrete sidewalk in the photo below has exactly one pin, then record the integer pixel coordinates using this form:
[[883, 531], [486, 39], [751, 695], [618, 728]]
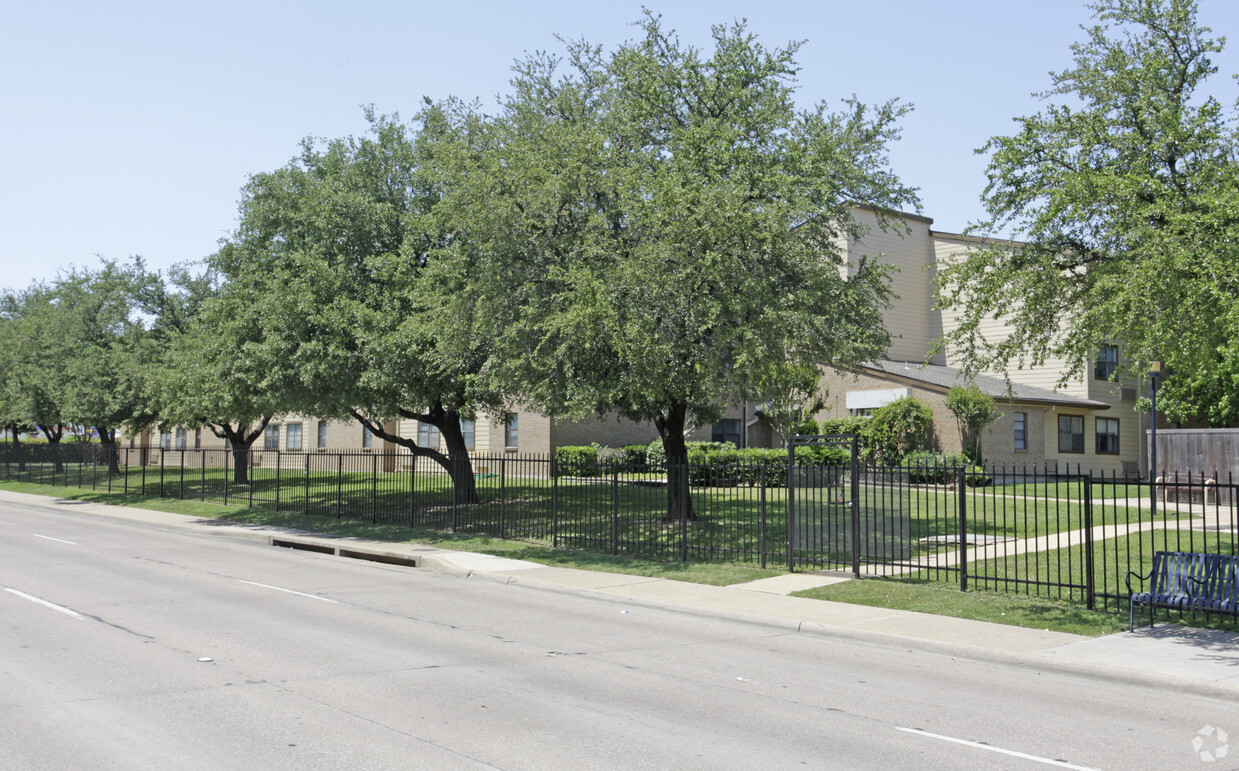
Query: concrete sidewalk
[[1206, 661]]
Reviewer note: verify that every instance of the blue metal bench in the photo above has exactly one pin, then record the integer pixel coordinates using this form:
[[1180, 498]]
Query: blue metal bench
[[1207, 583]]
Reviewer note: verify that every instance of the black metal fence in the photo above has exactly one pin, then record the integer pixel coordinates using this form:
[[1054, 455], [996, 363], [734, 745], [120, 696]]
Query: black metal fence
[[1061, 534]]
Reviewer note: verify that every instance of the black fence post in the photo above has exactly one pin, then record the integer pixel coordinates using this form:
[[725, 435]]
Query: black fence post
[[503, 487], [305, 506], [963, 529], [554, 502], [227, 458], [687, 492], [180, 496], [374, 488], [249, 475], [161, 472], [1090, 587], [854, 510], [614, 508], [413, 487], [203, 454], [791, 505], [277, 482], [125, 488], [339, 485], [761, 528]]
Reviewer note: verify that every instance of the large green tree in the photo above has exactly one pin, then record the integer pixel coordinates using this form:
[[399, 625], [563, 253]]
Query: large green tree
[[85, 351], [217, 368], [657, 231], [331, 253], [1122, 197]]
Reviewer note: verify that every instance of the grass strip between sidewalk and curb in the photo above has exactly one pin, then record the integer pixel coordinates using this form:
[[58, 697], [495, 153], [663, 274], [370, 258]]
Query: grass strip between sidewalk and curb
[[1015, 610]]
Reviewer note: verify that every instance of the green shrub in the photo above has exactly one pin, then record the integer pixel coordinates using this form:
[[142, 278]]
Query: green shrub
[[808, 428], [892, 431], [942, 468], [635, 455], [576, 461], [843, 425], [656, 455], [728, 467]]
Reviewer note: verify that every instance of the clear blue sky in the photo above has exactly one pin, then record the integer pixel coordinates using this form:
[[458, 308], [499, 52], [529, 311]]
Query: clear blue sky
[[130, 127]]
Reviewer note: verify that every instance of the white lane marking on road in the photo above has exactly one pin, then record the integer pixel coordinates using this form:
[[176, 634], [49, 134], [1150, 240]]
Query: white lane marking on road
[[290, 591], [992, 748], [49, 538], [45, 603]]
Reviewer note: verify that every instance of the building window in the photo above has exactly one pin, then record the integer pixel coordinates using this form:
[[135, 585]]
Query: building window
[[1071, 433], [427, 436], [1021, 430], [1107, 362], [322, 434], [468, 430], [197, 438], [180, 439], [367, 438], [860, 412], [726, 430], [271, 438], [292, 437], [1107, 436], [165, 440], [510, 433]]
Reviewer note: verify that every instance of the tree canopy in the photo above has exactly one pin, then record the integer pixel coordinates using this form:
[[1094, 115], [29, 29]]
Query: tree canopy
[[1122, 197], [328, 264], [658, 232]]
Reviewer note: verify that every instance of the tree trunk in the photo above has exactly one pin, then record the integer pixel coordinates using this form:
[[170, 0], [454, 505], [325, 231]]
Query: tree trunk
[[240, 463], [54, 435], [17, 448], [459, 465], [111, 452], [671, 428]]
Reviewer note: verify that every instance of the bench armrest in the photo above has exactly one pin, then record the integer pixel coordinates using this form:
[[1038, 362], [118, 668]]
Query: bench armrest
[[1141, 576]]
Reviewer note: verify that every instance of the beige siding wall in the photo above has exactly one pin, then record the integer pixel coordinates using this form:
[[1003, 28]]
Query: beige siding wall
[[1046, 376], [910, 319]]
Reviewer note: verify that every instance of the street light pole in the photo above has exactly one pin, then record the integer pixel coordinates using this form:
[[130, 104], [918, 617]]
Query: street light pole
[[1155, 371]]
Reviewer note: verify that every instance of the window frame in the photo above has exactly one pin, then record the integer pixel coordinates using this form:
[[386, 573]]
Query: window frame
[[511, 431], [321, 439], [1107, 362], [289, 444], [719, 432], [468, 431], [1071, 434], [367, 438], [428, 436], [271, 437], [1111, 438], [1019, 428]]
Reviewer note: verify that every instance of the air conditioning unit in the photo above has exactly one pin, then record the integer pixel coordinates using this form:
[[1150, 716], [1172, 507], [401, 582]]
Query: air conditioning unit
[[1129, 394]]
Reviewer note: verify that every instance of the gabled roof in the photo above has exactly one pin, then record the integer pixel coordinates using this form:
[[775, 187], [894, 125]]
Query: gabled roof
[[935, 377]]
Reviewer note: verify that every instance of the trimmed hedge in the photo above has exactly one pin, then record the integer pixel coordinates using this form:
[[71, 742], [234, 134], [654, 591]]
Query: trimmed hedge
[[576, 461], [942, 468], [635, 455]]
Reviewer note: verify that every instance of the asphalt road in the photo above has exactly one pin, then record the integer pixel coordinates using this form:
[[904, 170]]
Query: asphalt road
[[130, 646]]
